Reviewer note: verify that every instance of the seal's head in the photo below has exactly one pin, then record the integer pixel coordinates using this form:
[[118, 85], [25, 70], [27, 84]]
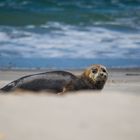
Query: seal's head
[[96, 76]]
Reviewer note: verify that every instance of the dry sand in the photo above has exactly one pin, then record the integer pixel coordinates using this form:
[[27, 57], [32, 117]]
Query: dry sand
[[112, 114]]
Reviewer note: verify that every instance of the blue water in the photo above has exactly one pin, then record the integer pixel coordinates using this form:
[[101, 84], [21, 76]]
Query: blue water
[[69, 34]]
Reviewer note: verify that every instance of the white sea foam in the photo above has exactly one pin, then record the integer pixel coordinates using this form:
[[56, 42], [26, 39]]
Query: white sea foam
[[58, 40]]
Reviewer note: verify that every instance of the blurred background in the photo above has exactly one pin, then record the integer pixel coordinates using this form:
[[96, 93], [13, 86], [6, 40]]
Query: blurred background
[[37, 34]]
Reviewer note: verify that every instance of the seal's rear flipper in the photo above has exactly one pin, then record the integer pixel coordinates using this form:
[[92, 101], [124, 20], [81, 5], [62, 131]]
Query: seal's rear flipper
[[10, 87]]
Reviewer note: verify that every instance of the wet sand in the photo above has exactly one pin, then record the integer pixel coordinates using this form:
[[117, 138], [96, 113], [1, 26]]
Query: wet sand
[[112, 114]]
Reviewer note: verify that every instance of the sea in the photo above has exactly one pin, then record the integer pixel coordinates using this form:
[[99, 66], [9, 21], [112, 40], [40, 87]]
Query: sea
[[69, 34]]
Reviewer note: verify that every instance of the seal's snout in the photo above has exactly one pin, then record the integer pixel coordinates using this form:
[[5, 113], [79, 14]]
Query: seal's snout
[[103, 75]]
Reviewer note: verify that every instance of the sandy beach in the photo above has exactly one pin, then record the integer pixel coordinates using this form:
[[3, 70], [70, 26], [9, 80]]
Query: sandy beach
[[111, 114]]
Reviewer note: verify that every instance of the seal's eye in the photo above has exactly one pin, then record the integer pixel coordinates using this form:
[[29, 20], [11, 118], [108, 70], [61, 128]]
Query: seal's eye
[[103, 70], [94, 70]]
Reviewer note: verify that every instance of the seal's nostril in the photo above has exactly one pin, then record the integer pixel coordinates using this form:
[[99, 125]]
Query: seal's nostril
[[101, 74]]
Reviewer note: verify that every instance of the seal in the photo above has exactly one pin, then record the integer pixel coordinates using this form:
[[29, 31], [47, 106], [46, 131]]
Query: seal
[[93, 77]]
